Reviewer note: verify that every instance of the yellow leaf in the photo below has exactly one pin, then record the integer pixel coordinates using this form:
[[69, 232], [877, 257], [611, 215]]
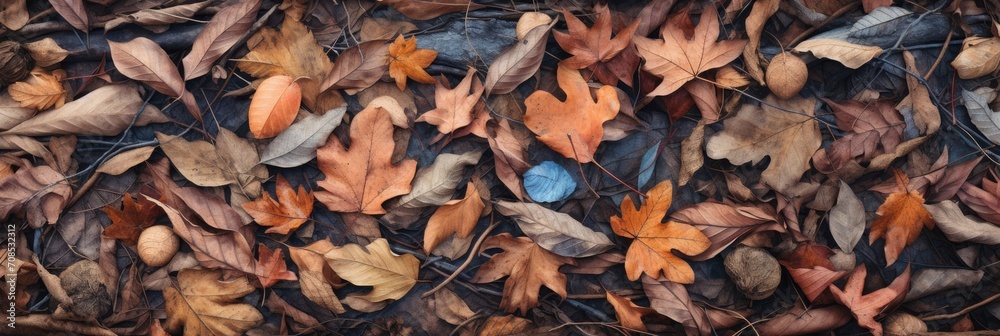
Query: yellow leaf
[[40, 91], [390, 275]]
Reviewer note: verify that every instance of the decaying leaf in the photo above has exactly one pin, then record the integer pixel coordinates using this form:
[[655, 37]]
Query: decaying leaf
[[358, 67], [128, 223], [900, 219], [285, 213], [651, 251], [847, 218], [271, 267], [980, 56], [528, 266], [39, 193], [432, 186], [406, 61], [629, 314], [292, 52], [610, 59], [849, 54], [46, 52], [201, 304], [143, 60]]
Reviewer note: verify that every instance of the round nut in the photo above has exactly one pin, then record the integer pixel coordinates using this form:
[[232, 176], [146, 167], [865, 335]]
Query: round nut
[[157, 245], [786, 75], [843, 261], [15, 62], [755, 272], [899, 324]]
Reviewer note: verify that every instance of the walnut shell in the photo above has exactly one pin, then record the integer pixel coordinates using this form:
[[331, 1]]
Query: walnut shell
[[82, 283], [786, 75], [157, 245], [899, 324], [15, 62], [755, 272]]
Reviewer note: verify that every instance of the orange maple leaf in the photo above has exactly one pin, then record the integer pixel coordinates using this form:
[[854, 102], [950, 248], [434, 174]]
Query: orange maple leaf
[[40, 91], [866, 307], [900, 219], [529, 267], [128, 223], [290, 210], [650, 252], [678, 59], [572, 128], [611, 59], [454, 107], [360, 179], [405, 60], [271, 267]]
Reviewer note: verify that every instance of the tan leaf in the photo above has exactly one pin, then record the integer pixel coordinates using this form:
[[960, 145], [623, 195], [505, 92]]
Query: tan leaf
[[143, 60], [458, 217], [980, 56], [105, 111], [196, 160], [297, 144], [41, 90], [317, 290], [406, 61], [45, 51], [390, 275], [292, 52], [124, 161], [529, 267], [432, 186], [555, 231], [220, 34], [449, 307], [201, 304], [518, 62], [358, 67], [11, 112], [529, 21], [158, 19], [454, 106], [849, 54], [74, 12], [959, 227], [759, 14], [13, 14], [38, 193]]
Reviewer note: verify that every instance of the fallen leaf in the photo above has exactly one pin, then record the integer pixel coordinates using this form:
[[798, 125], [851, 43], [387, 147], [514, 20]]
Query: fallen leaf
[[506, 325], [213, 211], [283, 215], [929, 281], [982, 115], [789, 138], [650, 252], [529, 267], [106, 111], [391, 276], [432, 186], [221, 33], [555, 231], [74, 12], [573, 127], [518, 62], [196, 160], [548, 182], [866, 307], [510, 154], [11, 112], [297, 144], [292, 52], [14, 14], [759, 14], [46, 52], [373, 29], [41, 91], [870, 5], [984, 202], [406, 61], [316, 289], [143, 60], [367, 161], [271, 267], [725, 223], [310, 258], [358, 67], [529, 21], [959, 227], [274, 106], [802, 321], [449, 307], [678, 59], [39, 193], [429, 9], [629, 314], [849, 54], [875, 129], [814, 281], [454, 106], [611, 59], [124, 161], [847, 219], [980, 56], [158, 19], [900, 219], [228, 249], [200, 304], [128, 223], [671, 299], [458, 217]]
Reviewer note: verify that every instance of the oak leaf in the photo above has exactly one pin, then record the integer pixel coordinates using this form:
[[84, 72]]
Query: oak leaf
[[391, 276], [271, 267], [678, 59], [611, 59], [866, 307], [650, 253], [200, 304], [406, 61], [41, 91], [900, 219], [457, 217], [287, 212], [359, 179], [454, 106], [529, 267], [128, 223], [573, 127], [274, 106]]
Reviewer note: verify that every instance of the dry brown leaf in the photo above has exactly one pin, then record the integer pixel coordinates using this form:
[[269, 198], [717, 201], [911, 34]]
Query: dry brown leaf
[[432, 186], [629, 314], [429, 9], [358, 67], [510, 153], [801, 321], [759, 14], [725, 223], [128, 223], [38, 193], [361, 178], [11, 112], [143, 60], [849, 54], [610, 59], [573, 127], [866, 307], [287, 212], [555, 231], [373, 28], [391, 276], [274, 106], [201, 304], [449, 307], [651, 251], [297, 144], [678, 59], [292, 52], [529, 267], [672, 300], [271, 267], [458, 217], [74, 12], [158, 19], [229, 249], [220, 34], [41, 90], [529, 21], [46, 52], [980, 56], [506, 325], [106, 111], [454, 106], [518, 62], [406, 61], [13, 14], [900, 219], [316, 289], [984, 202]]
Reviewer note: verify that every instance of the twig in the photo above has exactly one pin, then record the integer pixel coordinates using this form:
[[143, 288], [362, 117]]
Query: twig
[[944, 48], [833, 16], [468, 260], [963, 311]]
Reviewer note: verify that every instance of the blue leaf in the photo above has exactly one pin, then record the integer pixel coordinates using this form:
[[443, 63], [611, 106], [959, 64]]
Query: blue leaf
[[646, 165], [548, 182]]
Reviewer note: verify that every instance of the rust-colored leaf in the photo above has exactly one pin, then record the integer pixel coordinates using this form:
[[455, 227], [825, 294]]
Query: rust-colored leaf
[[285, 213], [866, 307], [220, 34], [457, 217], [650, 253], [629, 314], [359, 179], [294, 52], [611, 59], [573, 127], [274, 106], [128, 223], [900, 219], [454, 106], [429, 9], [984, 201], [406, 61], [529, 267], [201, 304], [271, 267]]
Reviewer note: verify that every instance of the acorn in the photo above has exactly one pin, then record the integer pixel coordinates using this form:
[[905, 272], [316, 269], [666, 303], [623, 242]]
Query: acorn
[[755, 272], [157, 245], [786, 75], [900, 324], [15, 62]]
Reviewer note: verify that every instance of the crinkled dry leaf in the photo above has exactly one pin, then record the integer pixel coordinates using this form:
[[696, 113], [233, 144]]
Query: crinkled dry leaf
[[271, 267], [220, 34], [610, 59], [980, 56], [287, 212], [11, 112], [866, 307], [900, 219], [13, 14], [454, 106], [432, 186], [555, 231], [201, 304], [128, 223], [41, 90], [458, 217], [37, 192], [529, 267], [292, 52], [959, 227], [673, 301]]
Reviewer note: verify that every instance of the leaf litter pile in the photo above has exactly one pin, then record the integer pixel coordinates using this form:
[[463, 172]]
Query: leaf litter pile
[[444, 167]]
